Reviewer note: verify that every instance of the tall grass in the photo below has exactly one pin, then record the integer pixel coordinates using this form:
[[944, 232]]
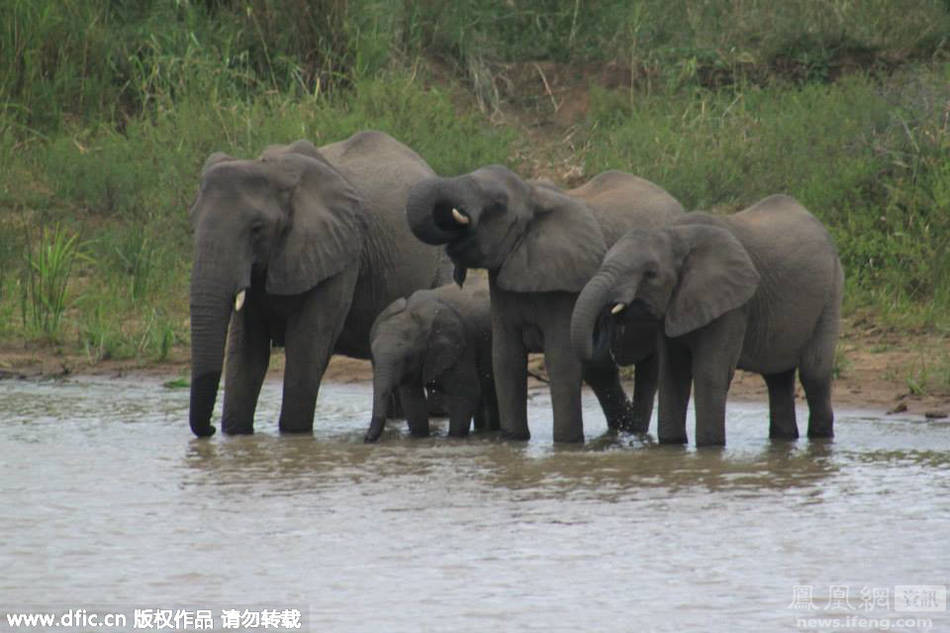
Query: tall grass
[[98, 60], [48, 268]]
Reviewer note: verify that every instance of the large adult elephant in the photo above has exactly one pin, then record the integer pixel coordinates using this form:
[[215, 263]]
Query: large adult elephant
[[302, 248], [759, 290], [540, 246]]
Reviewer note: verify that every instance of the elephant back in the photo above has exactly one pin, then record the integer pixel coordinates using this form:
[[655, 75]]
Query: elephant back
[[801, 277], [394, 263], [622, 201]]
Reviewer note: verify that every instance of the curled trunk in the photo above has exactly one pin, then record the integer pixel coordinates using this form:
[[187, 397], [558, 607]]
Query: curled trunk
[[440, 209], [587, 310]]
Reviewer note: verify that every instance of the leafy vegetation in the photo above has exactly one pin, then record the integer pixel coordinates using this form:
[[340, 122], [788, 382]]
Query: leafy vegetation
[[110, 107], [48, 269]]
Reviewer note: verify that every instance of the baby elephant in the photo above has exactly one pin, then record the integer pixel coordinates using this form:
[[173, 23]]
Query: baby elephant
[[759, 290], [441, 340]]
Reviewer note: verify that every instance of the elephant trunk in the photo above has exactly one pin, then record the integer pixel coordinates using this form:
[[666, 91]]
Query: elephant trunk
[[439, 210], [212, 299], [383, 385], [587, 311], [209, 326]]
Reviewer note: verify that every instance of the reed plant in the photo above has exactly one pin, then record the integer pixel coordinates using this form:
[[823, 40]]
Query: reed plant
[[45, 291]]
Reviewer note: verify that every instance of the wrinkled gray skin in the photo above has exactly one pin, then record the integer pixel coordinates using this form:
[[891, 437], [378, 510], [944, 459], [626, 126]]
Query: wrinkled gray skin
[[759, 290], [540, 246], [318, 241], [441, 340]]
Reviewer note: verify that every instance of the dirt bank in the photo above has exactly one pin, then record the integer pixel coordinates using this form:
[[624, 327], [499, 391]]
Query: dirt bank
[[878, 370]]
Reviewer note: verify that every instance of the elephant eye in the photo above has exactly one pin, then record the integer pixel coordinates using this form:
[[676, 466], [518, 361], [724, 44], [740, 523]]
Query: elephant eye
[[257, 228], [495, 208], [649, 273]]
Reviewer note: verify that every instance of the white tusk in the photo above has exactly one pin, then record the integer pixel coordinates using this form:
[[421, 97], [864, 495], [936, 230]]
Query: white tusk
[[239, 301], [617, 308], [460, 218]]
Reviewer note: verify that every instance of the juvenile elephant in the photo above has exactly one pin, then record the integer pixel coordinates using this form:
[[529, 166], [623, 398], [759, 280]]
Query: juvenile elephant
[[540, 246], [301, 248], [440, 339], [759, 290]]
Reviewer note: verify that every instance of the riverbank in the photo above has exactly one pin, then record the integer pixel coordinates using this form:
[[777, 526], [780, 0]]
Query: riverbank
[[876, 370]]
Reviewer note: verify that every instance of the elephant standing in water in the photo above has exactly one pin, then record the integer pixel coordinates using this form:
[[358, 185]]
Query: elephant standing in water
[[301, 248], [441, 340], [759, 290], [540, 246]]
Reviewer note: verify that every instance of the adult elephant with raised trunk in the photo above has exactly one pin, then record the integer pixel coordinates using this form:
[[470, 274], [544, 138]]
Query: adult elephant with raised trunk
[[540, 245], [301, 248]]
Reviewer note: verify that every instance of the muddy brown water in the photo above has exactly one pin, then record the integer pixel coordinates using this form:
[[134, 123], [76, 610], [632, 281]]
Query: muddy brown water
[[107, 500]]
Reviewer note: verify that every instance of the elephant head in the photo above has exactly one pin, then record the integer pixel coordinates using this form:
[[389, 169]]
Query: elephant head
[[530, 237], [413, 342], [278, 225], [681, 277]]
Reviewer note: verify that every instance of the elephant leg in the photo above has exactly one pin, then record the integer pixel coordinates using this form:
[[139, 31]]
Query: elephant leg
[[417, 409], [821, 417], [510, 366], [715, 355], [461, 411], [247, 360], [645, 383], [711, 389], [565, 372], [395, 410], [604, 380], [486, 415], [486, 418], [782, 423], [479, 424], [310, 336], [816, 370], [676, 377]]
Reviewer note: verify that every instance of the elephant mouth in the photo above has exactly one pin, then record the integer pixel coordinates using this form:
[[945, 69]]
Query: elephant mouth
[[636, 311], [450, 218], [465, 250]]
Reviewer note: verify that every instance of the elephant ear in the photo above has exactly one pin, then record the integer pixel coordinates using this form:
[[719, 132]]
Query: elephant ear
[[325, 224], [211, 161], [388, 312], [446, 342], [214, 159], [717, 275], [561, 248]]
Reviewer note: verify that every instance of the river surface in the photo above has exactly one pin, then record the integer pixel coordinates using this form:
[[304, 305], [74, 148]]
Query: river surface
[[109, 503]]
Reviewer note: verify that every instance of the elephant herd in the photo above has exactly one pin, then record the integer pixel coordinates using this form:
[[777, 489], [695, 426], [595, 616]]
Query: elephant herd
[[339, 249]]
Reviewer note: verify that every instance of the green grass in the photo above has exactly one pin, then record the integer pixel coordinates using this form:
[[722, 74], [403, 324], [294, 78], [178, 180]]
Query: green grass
[[110, 108], [49, 265], [178, 383], [929, 374]]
